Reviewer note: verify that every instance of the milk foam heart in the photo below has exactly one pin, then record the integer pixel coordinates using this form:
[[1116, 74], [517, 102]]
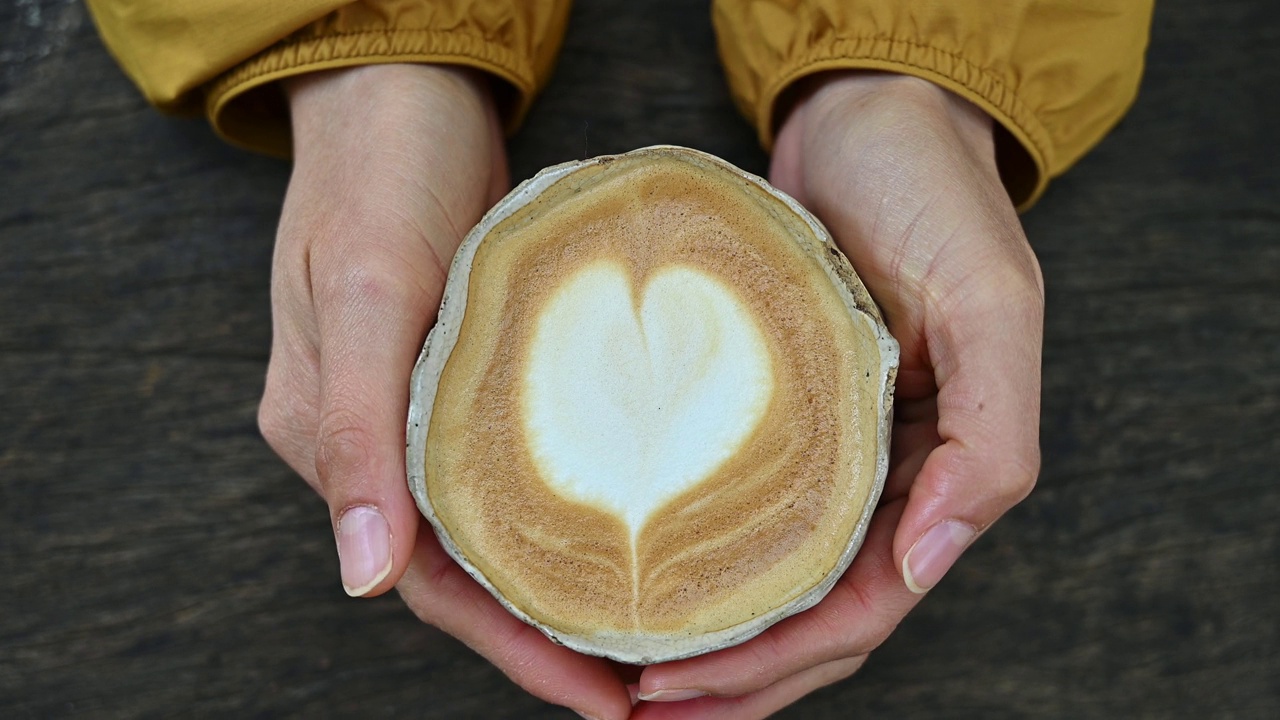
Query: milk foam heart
[[630, 401]]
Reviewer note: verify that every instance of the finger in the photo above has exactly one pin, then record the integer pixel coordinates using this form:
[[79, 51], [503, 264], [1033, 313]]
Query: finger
[[290, 404], [759, 704], [373, 305], [985, 350], [442, 594], [865, 605]]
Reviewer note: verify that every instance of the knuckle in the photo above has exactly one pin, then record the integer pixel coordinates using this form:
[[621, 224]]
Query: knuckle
[[363, 281], [766, 652], [285, 433], [510, 647], [273, 421], [997, 288], [286, 408], [343, 447], [1027, 289], [1015, 485], [790, 648], [1011, 287], [372, 275], [845, 638], [1021, 279]]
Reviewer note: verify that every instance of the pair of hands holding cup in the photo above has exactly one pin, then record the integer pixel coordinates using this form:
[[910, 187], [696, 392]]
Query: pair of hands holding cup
[[395, 163]]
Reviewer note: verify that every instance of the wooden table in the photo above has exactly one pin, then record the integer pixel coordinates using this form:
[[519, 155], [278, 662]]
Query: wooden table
[[158, 560]]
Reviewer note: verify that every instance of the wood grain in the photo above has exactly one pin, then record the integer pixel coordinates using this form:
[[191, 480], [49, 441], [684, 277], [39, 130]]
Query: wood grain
[[158, 560]]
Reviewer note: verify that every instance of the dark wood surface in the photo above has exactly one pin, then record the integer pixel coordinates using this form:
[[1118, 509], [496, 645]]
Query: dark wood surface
[[157, 560]]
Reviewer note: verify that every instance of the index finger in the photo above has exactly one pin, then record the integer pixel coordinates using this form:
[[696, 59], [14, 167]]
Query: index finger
[[442, 594], [984, 347], [865, 605]]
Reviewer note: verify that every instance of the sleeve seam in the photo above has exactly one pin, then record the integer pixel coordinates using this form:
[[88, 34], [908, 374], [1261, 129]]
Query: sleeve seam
[[293, 56], [268, 61]]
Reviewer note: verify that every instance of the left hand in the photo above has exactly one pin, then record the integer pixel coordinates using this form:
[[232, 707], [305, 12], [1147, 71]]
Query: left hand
[[903, 173], [393, 164]]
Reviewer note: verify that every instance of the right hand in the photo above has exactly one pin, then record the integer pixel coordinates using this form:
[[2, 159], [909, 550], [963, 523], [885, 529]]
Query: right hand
[[904, 175], [394, 163]]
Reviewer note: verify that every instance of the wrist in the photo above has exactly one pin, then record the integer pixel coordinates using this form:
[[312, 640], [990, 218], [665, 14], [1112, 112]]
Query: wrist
[[870, 102], [367, 97], [397, 150]]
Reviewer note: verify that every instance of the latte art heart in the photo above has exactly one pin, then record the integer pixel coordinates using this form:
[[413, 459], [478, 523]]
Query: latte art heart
[[628, 402]]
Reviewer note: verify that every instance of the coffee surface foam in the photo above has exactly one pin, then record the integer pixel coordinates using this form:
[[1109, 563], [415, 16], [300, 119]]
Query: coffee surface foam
[[658, 416]]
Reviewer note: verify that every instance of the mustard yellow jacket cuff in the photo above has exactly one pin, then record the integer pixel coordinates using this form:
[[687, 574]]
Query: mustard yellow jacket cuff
[[1055, 74], [225, 56]]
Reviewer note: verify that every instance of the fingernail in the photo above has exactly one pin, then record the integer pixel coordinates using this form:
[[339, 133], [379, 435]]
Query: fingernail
[[671, 695], [364, 549], [934, 554], [634, 689]]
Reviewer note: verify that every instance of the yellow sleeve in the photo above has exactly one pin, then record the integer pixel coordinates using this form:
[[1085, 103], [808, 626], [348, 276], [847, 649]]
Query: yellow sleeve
[[1056, 74], [223, 57]]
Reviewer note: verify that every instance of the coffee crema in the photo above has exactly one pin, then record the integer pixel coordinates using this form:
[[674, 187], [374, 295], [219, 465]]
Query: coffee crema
[[653, 416]]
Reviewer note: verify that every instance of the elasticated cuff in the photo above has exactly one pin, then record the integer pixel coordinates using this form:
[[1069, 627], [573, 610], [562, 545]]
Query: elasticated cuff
[[1024, 155], [1055, 75], [247, 107]]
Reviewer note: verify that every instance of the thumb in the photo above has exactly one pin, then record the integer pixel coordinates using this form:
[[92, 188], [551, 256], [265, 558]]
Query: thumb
[[986, 355], [373, 310]]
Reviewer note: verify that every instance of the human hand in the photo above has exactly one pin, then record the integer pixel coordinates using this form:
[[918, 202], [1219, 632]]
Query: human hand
[[903, 173], [393, 164]]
